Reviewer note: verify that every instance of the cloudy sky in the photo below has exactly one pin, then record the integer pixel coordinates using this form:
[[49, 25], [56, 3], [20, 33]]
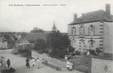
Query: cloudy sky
[[24, 15]]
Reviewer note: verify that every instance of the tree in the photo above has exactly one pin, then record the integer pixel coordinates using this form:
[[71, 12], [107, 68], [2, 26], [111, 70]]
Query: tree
[[24, 50], [58, 44], [11, 39], [40, 45]]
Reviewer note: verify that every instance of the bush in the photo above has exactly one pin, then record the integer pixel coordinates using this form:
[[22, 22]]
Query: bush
[[99, 50], [77, 53], [92, 52]]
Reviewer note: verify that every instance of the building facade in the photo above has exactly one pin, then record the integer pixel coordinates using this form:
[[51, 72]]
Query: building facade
[[90, 30]]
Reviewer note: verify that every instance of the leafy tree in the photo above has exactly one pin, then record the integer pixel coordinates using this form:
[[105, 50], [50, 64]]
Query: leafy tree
[[58, 44], [40, 45], [11, 39]]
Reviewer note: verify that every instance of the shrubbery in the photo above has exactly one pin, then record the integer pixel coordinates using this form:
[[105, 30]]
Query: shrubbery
[[11, 39]]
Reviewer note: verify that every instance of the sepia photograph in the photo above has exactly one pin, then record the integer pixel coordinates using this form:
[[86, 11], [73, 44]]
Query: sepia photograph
[[56, 36]]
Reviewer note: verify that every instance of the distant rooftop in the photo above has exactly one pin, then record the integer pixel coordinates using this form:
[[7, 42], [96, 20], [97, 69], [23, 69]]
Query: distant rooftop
[[99, 15]]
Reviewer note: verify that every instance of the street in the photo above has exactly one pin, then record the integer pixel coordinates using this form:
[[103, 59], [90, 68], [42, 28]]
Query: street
[[18, 63]]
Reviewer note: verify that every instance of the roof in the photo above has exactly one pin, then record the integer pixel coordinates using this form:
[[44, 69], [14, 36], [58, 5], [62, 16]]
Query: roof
[[94, 16]]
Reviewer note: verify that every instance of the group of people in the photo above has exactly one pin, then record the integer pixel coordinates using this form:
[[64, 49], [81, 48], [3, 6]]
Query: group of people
[[34, 62], [5, 63], [69, 63]]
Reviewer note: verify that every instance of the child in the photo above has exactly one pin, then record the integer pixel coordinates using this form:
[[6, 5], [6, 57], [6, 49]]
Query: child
[[69, 65], [27, 63], [33, 62]]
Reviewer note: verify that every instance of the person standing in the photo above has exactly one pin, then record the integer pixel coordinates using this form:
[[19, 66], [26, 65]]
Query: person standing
[[27, 63], [38, 63], [8, 63]]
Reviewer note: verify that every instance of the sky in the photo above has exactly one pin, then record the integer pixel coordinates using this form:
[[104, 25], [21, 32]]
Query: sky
[[24, 15]]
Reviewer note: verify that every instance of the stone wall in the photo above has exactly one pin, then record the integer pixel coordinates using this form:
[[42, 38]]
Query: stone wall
[[101, 66]]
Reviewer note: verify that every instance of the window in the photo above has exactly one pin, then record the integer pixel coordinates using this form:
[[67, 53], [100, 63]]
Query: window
[[82, 43], [81, 29], [91, 30], [91, 43], [73, 31]]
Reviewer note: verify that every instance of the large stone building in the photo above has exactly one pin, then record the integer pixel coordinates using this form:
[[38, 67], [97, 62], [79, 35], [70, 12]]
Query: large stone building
[[92, 30]]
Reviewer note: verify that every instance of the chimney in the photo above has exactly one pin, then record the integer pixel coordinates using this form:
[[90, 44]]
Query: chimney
[[108, 10], [75, 17]]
